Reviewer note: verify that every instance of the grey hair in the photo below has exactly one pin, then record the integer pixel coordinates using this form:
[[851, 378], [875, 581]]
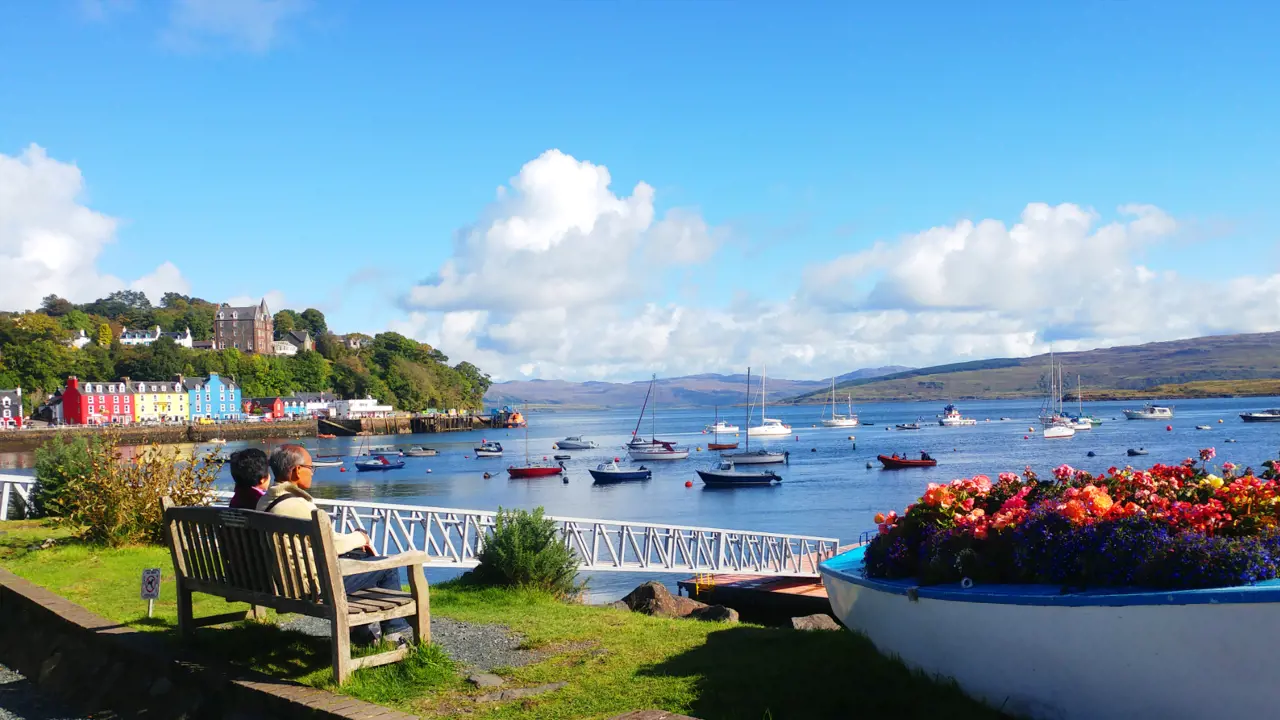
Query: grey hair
[[286, 458]]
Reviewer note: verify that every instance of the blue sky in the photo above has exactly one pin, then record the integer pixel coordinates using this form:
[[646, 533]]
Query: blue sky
[[330, 152]]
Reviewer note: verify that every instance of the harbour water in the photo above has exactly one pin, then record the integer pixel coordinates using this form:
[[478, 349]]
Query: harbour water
[[826, 490]]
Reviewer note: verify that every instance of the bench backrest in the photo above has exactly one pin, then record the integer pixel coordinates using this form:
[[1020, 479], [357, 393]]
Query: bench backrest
[[253, 556]]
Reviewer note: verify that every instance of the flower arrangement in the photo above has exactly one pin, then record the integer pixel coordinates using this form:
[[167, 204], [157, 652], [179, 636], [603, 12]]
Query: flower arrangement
[[1169, 527]]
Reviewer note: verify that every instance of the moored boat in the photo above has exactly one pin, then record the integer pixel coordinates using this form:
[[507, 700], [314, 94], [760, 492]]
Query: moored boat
[[1060, 431], [653, 448], [610, 472], [1150, 412], [908, 426], [575, 442], [768, 427], [898, 462], [489, 449], [535, 470], [726, 475], [419, 451], [721, 426], [1135, 453], [837, 420], [661, 451], [316, 462], [326, 436], [379, 450], [379, 463], [722, 446], [951, 417], [758, 457], [1272, 415]]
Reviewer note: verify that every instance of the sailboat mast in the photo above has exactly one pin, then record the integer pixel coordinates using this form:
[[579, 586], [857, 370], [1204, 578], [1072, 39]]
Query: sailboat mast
[[526, 435], [748, 425], [640, 419], [653, 416], [715, 429], [764, 398]]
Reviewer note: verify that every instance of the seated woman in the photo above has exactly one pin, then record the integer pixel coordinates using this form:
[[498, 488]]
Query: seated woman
[[249, 470]]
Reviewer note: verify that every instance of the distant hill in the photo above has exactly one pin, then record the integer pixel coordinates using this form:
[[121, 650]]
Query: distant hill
[[1229, 364], [689, 391]]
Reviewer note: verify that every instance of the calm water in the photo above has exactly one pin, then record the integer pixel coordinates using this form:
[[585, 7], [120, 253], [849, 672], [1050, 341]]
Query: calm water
[[827, 488]]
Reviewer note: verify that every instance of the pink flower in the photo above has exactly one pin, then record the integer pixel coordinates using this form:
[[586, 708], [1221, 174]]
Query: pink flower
[[1064, 472], [1228, 466], [1207, 454]]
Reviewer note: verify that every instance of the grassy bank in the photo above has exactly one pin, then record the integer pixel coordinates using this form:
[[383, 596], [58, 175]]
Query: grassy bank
[[612, 661]]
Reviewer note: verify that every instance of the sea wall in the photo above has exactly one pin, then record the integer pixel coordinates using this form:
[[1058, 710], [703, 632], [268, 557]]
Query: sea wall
[[144, 434]]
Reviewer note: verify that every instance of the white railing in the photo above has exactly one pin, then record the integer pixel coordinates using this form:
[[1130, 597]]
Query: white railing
[[454, 538], [15, 487]]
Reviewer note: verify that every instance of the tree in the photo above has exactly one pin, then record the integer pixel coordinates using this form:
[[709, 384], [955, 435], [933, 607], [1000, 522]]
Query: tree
[[285, 321], [313, 320], [174, 300], [94, 362], [39, 364], [28, 327], [105, 336], [474, 382], [310, 371], [131, 299], [200, 319], [349, 375], [54, 306], [77, 319], [165, 360]]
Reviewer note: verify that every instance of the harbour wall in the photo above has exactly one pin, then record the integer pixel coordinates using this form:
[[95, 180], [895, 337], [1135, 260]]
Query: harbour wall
[[145, 434]]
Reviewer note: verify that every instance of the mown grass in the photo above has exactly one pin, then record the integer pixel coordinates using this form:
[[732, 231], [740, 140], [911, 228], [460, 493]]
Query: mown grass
[[612, 661]]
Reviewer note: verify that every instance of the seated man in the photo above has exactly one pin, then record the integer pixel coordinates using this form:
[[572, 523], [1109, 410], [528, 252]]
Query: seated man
[[292, 469], [249, 470]]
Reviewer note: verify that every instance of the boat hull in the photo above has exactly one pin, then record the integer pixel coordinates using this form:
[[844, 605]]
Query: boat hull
[[534, 472], [756, 458], [421, 453], [733, 479], [606, 476], [722, 446], [1259, 418], [892, 463], [1143, 415], [644, 455], [768, 431], [562, 445], [1059, 432], [1035, 652], [488, 453], [840, 422], [370, 467], [957, 422]]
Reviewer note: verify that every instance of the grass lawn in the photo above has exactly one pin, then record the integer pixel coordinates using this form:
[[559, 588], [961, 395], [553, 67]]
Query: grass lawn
[[612, 661]]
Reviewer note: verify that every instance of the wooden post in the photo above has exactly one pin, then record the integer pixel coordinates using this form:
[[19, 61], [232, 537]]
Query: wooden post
[[420, 621], [332, 584]]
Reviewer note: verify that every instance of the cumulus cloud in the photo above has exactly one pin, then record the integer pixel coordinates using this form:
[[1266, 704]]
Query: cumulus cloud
[[50, 241], [251, 25]]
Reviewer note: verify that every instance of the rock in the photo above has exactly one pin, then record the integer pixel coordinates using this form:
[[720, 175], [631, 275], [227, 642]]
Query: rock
[[48, 543], [619, 605], [518, 693], [485, 680], [821, 621], [715, 613], [653, 598]]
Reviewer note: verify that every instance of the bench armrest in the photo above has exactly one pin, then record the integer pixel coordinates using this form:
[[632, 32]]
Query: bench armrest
[[347, 566]]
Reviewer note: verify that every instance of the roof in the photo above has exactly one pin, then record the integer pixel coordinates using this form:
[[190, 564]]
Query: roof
[[250, 310], [298, 338], [315, 396]]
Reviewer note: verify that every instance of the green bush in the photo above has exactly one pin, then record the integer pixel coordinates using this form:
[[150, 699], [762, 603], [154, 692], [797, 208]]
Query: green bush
[[58, 463], [525, 551]]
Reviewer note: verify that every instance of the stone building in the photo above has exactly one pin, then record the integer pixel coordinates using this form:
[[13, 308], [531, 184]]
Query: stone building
[[248, 329]]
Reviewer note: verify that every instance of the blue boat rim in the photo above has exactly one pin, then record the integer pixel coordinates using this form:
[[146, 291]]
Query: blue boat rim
[[847, 566]]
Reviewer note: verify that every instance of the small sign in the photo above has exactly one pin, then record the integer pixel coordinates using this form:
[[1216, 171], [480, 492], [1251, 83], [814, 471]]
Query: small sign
[[151, 584]]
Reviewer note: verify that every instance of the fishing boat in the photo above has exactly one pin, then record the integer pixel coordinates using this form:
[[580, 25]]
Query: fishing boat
[[721, 426], [715, 429], [837, 420], [951, 417], [653, 448], [756, 457], [898, 462], [724, 474], [1150, 412], [532, 469], [575, 442], [610, 472], [379, 463], [1272, 415], [908, 426], [419, 451], [489, 449], [768, 427], [316, 462]]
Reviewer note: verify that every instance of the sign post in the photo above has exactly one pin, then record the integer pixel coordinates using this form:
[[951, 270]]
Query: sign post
[[151, 588]]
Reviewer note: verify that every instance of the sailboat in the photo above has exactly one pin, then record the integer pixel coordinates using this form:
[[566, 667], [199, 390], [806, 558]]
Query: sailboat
[[836, 420], [717, 445], [531, 469], [768, 427], [1080, 422], [759, 457], [1056, 425], [653, 448]]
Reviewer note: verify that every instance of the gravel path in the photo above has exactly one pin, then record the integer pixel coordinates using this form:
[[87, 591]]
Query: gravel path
[[19, 700], [474, 646]]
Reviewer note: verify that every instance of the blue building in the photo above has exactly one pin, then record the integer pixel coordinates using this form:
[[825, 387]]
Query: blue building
[[213, 398]]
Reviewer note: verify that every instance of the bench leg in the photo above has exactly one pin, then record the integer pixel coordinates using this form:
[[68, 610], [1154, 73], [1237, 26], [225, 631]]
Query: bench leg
[[341, 649], [421, 621], [186, 620], [258, 613]]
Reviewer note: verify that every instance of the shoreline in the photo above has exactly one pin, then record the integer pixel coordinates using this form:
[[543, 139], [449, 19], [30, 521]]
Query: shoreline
[[15, 440]]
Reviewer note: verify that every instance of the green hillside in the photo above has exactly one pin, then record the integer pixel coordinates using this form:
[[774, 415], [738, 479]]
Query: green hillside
[[1229, 364]]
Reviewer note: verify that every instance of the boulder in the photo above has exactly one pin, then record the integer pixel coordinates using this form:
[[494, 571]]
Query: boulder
[[619, 605], [653, 598], [715, 613], [821, 621]]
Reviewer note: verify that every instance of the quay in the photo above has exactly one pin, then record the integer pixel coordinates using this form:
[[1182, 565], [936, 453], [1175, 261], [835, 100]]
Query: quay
[[138, 434], [405, 425]]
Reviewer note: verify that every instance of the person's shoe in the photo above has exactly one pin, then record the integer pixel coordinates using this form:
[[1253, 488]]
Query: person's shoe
[[400, 637]]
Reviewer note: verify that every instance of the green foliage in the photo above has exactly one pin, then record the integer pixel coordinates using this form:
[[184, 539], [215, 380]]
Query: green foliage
[[310, 371], [313, 320], [104, 336], [285, 321], [525, 551], [58, 462], [54, 306]]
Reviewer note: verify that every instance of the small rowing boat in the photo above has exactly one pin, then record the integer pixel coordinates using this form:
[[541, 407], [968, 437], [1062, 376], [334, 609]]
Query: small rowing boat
[[896, 462]]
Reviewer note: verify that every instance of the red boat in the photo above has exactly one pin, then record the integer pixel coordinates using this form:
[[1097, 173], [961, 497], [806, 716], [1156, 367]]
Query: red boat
[[722, 446], [533, 471], [894, 462]]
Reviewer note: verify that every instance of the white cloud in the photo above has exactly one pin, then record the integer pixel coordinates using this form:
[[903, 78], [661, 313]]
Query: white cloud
[[50, 241], [275, 300], [251, 25], [164, 279]]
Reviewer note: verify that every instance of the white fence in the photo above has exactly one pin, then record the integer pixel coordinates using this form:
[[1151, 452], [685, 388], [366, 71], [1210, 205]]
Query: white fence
[[454, 538]]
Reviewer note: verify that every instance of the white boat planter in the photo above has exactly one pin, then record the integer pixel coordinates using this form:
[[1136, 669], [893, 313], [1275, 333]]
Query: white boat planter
[[1033, 651]]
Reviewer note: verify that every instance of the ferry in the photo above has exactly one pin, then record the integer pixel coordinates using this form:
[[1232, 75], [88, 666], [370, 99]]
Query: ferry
[[951, 417]]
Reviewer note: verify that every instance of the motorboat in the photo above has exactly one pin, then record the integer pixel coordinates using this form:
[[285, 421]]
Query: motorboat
[[724, 474], [768, 427], [489, 449], [951, 417], [380, 463], [1081, 424], [1203, 427], [562, 457], [316, 462], [721, 426], [1136, 453], [575, 442], [1060, 431], [661, 451], [419, 451], [837, 420], [757, 457], [379, 450], [1150, 412], [535, 470], [1272, 415], [898, 462], [908, 426], [610, 472]]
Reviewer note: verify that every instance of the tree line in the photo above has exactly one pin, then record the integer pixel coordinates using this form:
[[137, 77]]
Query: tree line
[[36, 355]]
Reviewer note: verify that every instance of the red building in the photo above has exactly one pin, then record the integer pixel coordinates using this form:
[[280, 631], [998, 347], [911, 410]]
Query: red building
[[96, 403], [272, 407], [11, 409]]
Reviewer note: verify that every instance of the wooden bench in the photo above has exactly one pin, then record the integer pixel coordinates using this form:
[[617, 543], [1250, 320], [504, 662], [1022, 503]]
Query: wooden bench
[[289, 565]]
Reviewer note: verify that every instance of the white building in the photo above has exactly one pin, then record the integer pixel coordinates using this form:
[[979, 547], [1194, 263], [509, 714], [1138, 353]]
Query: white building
[[79, 340], [146, 337], [361, 408], [284, 347]]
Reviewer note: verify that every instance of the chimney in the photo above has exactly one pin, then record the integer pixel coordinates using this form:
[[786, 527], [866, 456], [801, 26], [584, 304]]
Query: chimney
[[73, 383]]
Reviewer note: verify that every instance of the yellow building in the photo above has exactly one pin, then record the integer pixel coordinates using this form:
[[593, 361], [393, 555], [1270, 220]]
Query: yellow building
[[160, 401]]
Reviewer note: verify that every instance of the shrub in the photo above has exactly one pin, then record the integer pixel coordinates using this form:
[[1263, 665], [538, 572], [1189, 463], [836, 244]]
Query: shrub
[[117, 500], [525, 551], [57, 463]]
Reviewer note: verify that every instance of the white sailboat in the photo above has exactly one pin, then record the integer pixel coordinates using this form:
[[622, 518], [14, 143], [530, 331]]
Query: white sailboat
[[836, 420], [653, 448], [768, 427], [1080, 422], [749, 456], [1058, 426]]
